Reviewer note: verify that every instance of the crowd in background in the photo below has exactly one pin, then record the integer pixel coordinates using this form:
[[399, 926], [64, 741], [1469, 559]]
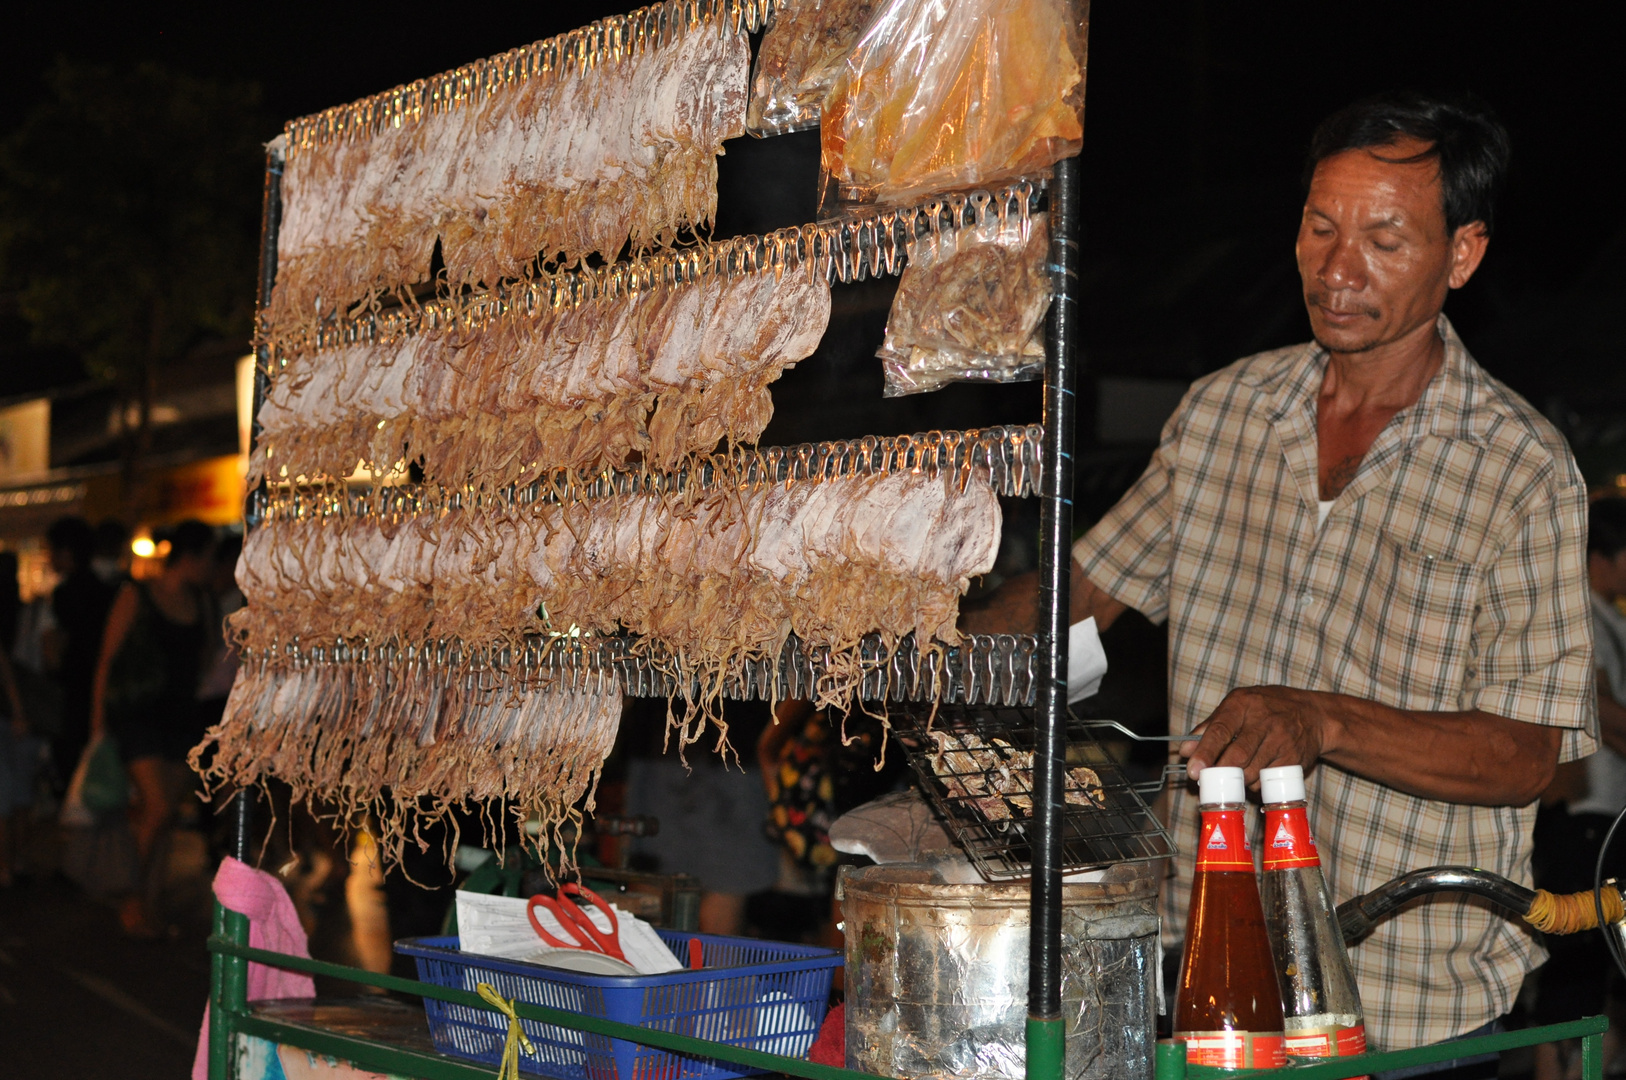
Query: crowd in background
[[109, 681]]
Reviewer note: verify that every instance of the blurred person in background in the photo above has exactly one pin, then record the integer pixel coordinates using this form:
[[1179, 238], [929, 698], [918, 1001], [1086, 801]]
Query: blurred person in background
[[73, 642], [710, 810], [1579, 806], [221, 669], [145, 695], [110, 559], [11, 600], [19, 761]]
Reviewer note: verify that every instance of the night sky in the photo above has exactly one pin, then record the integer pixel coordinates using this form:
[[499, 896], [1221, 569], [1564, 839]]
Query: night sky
[[1197, 117]]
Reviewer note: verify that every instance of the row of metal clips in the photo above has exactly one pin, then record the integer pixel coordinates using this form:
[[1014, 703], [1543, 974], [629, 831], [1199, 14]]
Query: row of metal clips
[[605, 40], [982, 670], [848, 249], [1005, 458]]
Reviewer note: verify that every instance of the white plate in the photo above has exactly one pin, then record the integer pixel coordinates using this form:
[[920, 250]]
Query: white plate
[[582, 960]]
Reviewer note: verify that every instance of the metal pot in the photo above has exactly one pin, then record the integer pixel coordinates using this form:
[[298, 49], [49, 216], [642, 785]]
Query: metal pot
[[937, 974]]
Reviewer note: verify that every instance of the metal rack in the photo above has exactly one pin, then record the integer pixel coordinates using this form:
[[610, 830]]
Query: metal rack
[[974, 765], [1007, 669]]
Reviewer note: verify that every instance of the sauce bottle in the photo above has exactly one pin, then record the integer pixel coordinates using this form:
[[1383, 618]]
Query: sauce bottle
[[1322, 1007], [1228, 1010]]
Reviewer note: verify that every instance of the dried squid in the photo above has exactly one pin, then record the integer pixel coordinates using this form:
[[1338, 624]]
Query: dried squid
[[954, 94], [971, 306], [709, 578], [576, 145], [656, 373], [407, 744], [802, 53]]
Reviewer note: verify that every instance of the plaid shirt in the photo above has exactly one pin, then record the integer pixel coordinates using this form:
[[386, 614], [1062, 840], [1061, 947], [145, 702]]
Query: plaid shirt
[[1450, 575]]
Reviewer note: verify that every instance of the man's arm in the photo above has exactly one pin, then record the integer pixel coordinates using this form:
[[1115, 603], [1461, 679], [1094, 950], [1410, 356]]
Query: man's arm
[[1013, 608], [1470, 757]]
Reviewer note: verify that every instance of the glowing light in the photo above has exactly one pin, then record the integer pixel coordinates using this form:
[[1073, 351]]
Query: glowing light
[[143, 547]]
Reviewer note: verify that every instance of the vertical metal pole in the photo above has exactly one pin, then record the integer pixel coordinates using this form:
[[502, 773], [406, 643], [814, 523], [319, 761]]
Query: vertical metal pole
[[228, 975], [1592, 1057], [1046, 1032]]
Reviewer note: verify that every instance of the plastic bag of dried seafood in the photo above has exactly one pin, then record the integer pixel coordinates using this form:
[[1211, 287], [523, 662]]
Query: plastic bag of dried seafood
[[970, 306], [943, 95], [801, 54]]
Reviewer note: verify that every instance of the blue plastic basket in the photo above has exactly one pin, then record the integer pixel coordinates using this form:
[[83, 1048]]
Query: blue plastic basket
[[764, 995]]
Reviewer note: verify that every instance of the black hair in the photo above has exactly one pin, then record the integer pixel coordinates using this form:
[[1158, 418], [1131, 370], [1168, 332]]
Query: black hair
[[111, 538], [1606, 527], [190, 538], [74, 535], [1463, 136]]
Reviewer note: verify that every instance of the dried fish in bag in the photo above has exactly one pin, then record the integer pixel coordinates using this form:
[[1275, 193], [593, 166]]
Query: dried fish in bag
[[970, 306], [940, 95], [802, 52]]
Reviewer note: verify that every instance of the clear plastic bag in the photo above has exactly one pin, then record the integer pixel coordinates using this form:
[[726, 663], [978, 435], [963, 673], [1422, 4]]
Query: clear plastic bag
[[940, 95], [802, 52], [970, 306]]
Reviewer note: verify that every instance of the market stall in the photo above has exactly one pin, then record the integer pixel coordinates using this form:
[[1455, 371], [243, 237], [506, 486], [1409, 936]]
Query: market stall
[[496, 290]]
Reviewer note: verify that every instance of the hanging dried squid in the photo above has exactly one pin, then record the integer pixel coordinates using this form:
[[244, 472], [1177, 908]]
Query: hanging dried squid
[[407, 743], [709, 578], [656, 373], [576, 145]]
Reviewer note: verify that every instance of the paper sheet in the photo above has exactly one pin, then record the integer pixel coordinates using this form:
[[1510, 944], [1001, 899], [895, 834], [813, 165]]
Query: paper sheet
[[1086, 662], [499, 926]]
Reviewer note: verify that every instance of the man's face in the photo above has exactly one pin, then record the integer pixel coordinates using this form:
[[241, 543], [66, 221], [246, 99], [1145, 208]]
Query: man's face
[[1373, 250]]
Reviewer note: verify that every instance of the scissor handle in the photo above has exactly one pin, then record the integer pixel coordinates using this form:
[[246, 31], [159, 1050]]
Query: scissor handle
[[608, 943], [567, 915], [576, 922]]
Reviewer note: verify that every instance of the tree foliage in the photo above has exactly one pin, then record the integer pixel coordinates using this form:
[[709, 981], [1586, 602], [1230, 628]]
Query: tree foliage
[[129, 207]]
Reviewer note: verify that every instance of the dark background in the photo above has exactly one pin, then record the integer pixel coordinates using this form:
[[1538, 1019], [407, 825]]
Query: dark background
[[1197, 116]]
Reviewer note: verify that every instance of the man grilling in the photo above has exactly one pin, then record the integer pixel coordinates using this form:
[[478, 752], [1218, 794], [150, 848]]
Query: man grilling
[[1372, 559]]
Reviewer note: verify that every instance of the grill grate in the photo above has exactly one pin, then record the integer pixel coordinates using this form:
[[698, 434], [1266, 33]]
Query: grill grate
[[974, 764]]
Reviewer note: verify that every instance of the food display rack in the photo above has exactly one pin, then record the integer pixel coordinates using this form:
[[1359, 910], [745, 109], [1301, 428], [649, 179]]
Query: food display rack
[[1006, 670]]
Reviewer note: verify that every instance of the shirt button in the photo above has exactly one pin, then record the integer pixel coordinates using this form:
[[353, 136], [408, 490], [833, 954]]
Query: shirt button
[[1306, 598]]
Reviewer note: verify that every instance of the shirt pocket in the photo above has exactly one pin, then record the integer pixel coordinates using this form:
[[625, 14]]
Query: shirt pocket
[[1414, 638]]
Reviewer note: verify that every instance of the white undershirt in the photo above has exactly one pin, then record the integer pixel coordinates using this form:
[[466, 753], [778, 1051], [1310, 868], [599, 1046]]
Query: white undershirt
[[1323, 508]]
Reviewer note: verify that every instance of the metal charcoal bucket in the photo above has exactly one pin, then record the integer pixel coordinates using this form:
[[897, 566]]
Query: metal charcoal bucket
[[937, 975]]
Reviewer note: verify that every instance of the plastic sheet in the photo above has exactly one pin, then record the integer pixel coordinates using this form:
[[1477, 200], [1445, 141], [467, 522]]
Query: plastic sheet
[[951, 94], [802, 52], [970, 307]]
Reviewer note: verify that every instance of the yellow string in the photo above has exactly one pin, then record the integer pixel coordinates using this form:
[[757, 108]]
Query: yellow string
[[516, 1034], [1574, 912]]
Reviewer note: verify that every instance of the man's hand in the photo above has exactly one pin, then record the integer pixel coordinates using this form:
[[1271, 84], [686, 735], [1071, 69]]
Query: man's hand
[[1259, 727], [1472, 757]]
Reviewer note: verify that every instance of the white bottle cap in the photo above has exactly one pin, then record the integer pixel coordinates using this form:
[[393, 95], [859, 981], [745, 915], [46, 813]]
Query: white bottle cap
[[1285, 783], [1221, 784]]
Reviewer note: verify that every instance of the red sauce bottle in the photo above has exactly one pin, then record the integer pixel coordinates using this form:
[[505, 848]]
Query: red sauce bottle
[[1228, 1010]]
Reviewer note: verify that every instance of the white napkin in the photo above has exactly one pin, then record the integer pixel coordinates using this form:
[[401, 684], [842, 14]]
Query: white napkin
[[1086, 662], [499, 926]]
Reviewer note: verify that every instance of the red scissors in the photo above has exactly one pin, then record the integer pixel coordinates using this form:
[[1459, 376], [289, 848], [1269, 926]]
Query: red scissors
[[577, 923]]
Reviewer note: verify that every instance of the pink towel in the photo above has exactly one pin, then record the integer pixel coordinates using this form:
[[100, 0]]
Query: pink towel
[[272, 924]]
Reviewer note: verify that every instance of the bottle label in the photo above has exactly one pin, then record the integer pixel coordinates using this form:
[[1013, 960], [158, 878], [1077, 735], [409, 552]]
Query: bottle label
[[1234, 1049], [1327, 1042], [1223, 842], [1287, 840]]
